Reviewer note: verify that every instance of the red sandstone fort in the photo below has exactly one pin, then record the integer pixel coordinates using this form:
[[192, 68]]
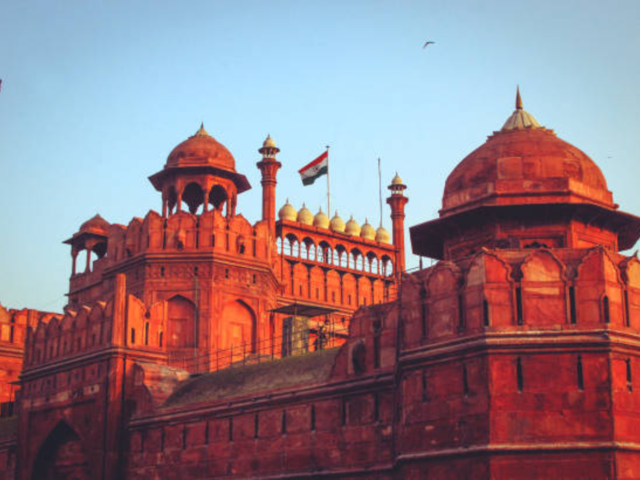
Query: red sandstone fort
[[198, 345]]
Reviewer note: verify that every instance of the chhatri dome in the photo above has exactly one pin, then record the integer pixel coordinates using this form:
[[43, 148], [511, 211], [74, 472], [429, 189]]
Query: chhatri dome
[[382, 235], [288, 212], [269, 142], [201, 149], [96, 225], [321, 219], [305, 216], [352, 228], [396, 180], [199, 155], [337, 224], [367, 231]]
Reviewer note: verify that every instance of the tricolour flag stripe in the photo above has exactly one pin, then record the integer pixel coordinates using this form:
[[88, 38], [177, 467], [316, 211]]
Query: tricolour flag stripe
[[320, 166]]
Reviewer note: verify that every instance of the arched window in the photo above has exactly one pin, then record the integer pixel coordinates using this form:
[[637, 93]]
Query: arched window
[[218, 197], [193, 196]]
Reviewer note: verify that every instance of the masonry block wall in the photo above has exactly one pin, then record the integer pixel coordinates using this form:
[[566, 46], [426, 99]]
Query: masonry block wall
[[339, 426], [530, 351]]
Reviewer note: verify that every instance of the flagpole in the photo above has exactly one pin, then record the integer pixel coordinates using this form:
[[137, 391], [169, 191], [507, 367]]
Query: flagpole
[[328, 186], [380, 189]]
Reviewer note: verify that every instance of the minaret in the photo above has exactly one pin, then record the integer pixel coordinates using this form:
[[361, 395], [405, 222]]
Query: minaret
[[397, 201], [269, 168]]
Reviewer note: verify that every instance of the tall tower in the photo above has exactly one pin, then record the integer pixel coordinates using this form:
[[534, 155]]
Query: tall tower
[[269, 167], [529, 285], [397, 201]]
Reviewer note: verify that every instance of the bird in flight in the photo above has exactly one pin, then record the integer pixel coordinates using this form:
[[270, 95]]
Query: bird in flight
[[427, 43]]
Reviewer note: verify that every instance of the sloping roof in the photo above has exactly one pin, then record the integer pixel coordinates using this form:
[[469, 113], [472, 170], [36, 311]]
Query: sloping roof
[[309, 369]]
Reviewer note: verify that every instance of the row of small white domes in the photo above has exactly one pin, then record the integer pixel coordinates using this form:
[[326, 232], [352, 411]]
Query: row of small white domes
[[336, 224]]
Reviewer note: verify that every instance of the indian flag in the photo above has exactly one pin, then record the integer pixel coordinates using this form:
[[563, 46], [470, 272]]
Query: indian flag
[[317, 168]]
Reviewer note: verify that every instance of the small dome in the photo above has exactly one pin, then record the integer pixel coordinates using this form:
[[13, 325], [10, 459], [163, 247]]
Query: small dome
[[269, 142], [337, 224], [382, 236], [396, 180], [352, 228], [288, 212], [305, 216], [201, 149], [368, 232], [321, 220], [97, 225]]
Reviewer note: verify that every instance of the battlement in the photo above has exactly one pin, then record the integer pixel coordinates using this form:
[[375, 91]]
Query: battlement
[[522, 290], [181, 232]]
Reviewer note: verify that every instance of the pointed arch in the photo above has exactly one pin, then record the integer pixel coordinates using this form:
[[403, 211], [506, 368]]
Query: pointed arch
[[218, 197], [541, 297], [488, 291], [193, 196], [239, 328], [543, 266], [180, 322], [442, 299], [600, 282], [97, 312], [62, 455]]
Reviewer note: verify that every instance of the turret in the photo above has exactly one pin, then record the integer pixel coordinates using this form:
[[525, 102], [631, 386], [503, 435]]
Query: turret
[[201, 173], [397, 201], [92, 237], [269, 167]]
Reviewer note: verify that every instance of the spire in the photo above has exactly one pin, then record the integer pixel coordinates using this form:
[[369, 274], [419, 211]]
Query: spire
[[518, 99], [201, 131], [520, 119]]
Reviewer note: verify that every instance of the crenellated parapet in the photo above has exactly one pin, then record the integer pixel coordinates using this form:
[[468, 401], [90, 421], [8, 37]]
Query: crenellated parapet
[[209, 233], [522, 290], [14, 327]]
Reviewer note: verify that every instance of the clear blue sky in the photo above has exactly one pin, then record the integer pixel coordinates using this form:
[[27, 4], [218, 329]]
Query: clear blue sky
[[95, 94]]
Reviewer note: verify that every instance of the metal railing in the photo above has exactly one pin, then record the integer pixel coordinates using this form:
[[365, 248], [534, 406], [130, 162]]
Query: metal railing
[[293, 342]]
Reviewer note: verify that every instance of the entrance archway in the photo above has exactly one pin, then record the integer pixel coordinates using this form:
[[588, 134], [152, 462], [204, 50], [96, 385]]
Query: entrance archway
[[61, 456]]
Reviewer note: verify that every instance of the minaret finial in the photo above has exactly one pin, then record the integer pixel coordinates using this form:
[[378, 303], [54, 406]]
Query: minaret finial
[[518, 99]]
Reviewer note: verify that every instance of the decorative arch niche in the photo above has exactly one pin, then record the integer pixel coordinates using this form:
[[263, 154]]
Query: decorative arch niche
[[238, 328], [180, 323]]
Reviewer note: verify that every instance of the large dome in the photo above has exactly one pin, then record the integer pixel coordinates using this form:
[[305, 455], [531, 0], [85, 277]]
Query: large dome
[[201, 149], [524, 186], [524, 163]]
